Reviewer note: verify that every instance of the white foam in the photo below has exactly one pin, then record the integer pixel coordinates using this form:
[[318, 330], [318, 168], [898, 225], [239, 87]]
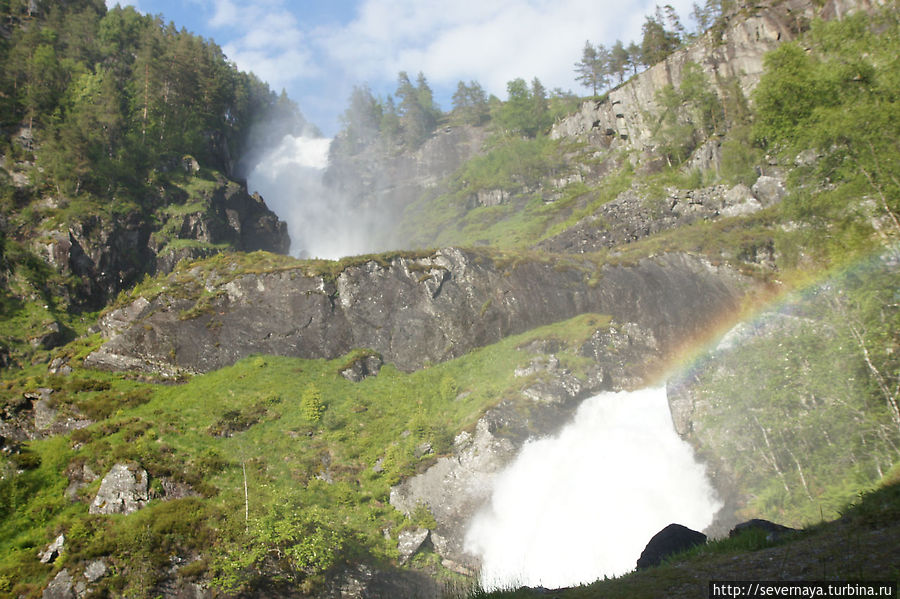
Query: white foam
[[582, 505]]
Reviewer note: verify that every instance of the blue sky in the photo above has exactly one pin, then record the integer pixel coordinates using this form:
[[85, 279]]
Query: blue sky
[[318, 49]]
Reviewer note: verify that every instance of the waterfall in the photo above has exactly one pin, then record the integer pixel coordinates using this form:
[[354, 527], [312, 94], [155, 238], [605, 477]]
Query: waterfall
[[582, 505], [321, 222]]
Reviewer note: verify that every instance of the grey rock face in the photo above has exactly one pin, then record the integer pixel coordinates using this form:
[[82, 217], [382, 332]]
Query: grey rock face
[[95, 570], [44, 413], [107, 255], [769, 190], [60, 587], [49, 555], [411, 311], [455, 487], [625, 119], [633, 216], [410, 541], [122, 491]]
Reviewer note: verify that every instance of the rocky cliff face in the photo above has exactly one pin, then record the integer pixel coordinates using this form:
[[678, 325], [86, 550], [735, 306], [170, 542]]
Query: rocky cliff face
[[107, 254], [633, 216], [626, 118], [412, 310]]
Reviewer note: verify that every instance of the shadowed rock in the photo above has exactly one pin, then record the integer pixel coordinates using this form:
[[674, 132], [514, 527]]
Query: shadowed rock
[[412, 310], [673, 539]]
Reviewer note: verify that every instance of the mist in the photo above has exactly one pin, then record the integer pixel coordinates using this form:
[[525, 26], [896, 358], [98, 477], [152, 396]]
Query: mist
[[582, 505], [321, 222]]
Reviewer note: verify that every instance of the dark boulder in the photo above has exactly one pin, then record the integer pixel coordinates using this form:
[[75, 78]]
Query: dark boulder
[[673, 539], [772, 530]]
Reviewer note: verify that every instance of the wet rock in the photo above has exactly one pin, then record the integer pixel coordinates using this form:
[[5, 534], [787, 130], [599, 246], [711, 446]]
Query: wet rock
[[123, 490], [672, 539], [49, 555], [455, 487]]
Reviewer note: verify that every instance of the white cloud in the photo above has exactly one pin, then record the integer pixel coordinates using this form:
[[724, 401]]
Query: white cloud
[[269, 42], [491, 41]]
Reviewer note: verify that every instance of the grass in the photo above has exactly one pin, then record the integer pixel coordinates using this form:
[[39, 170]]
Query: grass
[[247, 420]]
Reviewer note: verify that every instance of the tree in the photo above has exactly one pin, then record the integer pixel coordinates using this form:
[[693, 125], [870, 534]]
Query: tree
[[417, 111], [470, 103], [634, 57], [619, 59], [361, 119], [586, 68], [656, 41]]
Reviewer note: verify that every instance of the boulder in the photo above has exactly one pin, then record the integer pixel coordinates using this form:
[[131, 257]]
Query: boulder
[[769, 190], [122, 491], [95, 570], [60, 587], [673, 539], [49, 555], [363, 367], [773, 531], [410, 541]]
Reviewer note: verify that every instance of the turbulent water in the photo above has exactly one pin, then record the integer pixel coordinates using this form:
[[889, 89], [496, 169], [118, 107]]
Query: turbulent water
[[582, 505], [319, 221]]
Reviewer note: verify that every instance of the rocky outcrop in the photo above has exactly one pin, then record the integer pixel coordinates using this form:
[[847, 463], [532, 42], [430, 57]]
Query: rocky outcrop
[[633, 215], [734, 52], [60, 587], [411, 310], [772, 530], [108, 254], [122, 491], [673, 539]]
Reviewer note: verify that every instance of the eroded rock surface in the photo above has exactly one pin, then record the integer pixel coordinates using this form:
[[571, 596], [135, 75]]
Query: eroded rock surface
[[122, 491], [411, 311]]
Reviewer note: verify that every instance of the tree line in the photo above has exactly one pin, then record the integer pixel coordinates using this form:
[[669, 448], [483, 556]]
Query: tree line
[[661, 34], [110, 94], [410, 115]]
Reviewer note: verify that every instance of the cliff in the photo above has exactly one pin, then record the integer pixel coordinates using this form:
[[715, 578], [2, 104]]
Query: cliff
[[730, 54], [412, 310]]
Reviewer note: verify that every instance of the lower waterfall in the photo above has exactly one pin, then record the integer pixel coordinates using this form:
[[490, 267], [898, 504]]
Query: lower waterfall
[[582, 505]]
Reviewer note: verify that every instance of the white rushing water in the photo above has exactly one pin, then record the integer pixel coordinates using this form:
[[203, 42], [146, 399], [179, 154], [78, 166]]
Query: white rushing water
[[582, 505], [320, 222]]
